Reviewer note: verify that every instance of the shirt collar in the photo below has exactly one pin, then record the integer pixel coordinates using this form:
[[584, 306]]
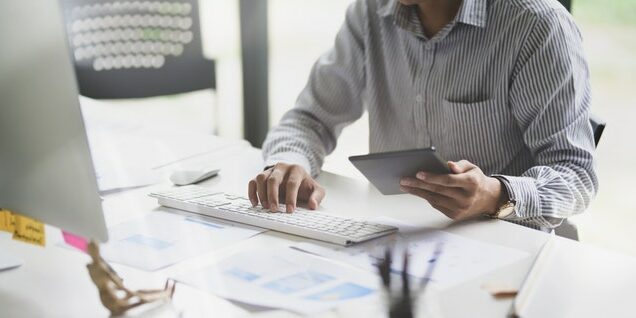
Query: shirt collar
[[473, 12], [388, 8]]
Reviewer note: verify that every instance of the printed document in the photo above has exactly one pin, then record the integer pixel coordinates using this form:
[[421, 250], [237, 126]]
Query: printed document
[[285, 278], [461, 259], [162, 239]]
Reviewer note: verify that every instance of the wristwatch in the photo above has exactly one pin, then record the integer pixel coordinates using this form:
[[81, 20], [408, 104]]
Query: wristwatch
[[508, 207], [505, 210]]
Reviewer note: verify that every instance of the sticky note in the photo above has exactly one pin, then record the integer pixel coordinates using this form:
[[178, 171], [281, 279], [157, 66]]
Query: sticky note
[[76, 241], [7, 222], [29, 230], [24, 229]]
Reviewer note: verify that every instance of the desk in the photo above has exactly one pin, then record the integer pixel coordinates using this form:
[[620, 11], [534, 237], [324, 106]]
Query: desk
[[54, 282]]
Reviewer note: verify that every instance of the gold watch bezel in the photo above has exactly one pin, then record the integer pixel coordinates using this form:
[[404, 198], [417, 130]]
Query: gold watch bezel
[[505, 210]]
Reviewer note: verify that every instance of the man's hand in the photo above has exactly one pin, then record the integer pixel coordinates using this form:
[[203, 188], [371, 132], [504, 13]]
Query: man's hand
[[288, 183], [461, 195]]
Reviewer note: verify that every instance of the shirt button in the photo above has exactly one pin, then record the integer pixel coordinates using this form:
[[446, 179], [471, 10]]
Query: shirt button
[[418, 98]]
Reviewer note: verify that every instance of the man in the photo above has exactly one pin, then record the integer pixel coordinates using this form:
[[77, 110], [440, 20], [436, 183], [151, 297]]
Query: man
[[500, 87]]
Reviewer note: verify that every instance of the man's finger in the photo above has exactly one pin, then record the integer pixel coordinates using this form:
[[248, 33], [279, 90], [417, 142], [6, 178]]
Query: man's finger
[[294, 179], [444, 206], [316, 197], [261, 187], [251, 192], [460, 166], [273, 183], [451, 192], [433, 198], [448, 180]]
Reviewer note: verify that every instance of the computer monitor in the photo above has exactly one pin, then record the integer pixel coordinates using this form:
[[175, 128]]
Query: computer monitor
[[46, 171]]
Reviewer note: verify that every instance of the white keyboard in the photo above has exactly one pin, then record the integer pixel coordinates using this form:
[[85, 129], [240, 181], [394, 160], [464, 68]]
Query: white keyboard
[[302, 222]]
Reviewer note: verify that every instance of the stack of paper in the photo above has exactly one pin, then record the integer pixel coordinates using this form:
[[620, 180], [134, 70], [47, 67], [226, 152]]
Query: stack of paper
[[162, 239], [128, 156], [284, 278], [461, 258]]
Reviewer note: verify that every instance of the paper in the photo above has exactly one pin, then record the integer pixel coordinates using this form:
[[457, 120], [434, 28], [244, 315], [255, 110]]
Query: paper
[[461, 259], [122, 159], [284, 278], [24, 229], [29, 230], [570, 279], [7, 222], [127, 156], [76, 241], [8, 261], [162, 239], [124, 176]]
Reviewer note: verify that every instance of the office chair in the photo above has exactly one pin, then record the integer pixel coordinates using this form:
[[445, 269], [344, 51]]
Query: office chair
[[567, 4], [133, 49], [598, 126]]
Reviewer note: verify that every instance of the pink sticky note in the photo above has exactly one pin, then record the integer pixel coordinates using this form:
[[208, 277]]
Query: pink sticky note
[[76, 241]]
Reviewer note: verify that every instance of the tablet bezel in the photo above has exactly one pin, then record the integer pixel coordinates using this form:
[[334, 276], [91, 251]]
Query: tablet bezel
[[385, 169]]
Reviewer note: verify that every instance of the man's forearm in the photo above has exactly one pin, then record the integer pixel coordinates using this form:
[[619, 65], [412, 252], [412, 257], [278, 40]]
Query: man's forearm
[[298, 139]]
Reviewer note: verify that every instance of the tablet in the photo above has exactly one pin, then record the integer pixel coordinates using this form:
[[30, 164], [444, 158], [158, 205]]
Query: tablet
[[385, 169]]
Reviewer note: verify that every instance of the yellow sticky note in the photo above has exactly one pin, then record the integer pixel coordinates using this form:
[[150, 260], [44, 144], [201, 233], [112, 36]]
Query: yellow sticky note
[[7, 222], [29, 230]]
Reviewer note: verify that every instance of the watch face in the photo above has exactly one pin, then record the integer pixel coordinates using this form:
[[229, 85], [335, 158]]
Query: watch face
[[506, 210]]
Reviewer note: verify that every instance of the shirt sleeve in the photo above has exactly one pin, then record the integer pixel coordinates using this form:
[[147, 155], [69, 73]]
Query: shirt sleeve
[[550, 100], [331, 100]]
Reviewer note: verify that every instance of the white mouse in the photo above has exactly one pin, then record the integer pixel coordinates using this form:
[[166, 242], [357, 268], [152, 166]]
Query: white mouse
[[185, 177]]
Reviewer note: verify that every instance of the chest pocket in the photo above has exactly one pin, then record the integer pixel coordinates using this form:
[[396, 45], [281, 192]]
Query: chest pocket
[[484, 133]]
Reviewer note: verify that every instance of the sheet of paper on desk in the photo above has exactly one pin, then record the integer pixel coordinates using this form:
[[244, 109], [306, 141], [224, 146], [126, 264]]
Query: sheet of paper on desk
[[121, 177], [461, 259], [128, 156], [162, 239], [7, 261], [284, 278]]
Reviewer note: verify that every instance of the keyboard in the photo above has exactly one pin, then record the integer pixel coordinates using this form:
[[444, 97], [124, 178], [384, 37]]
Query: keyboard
[[306, 223]]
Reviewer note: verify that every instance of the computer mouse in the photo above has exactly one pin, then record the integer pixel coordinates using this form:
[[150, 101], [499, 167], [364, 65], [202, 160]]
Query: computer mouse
[[185, 177]]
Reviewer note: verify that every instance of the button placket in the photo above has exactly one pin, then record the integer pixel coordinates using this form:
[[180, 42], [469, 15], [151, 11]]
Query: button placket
[[429, 96], [428, 51]]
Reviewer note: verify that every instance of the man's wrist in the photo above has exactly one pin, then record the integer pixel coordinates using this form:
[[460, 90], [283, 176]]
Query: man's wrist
[[499, 196]]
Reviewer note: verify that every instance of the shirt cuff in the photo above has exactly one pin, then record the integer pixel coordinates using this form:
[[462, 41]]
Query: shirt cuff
[[293, 158], [523, 191]]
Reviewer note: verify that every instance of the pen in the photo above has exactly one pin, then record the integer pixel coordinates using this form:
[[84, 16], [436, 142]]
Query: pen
[[430, 268]]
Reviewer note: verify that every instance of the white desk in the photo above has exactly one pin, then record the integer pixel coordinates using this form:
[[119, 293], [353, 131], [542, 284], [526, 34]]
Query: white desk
[[53, 282]]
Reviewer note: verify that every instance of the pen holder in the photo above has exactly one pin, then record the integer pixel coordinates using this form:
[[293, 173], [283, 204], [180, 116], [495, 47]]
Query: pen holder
[[397, 299], [401, 299], [400, 307]]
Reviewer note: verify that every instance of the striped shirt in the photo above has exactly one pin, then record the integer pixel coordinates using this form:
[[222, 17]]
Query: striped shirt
[[504, 85]]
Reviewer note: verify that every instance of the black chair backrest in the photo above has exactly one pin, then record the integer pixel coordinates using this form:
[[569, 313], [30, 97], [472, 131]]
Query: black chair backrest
[[128, 49], [597, 127], [567, 4]]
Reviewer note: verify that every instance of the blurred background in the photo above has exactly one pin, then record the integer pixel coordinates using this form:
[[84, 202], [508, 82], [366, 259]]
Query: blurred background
[[300, 31]]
